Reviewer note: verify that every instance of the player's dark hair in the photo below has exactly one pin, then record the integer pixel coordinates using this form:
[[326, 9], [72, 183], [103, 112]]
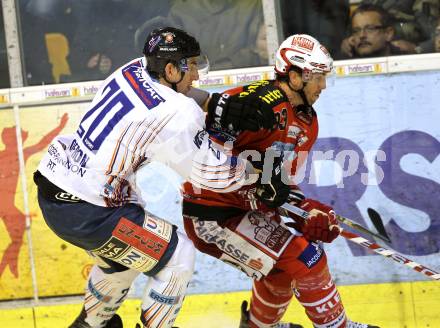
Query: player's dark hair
[[285, 77]]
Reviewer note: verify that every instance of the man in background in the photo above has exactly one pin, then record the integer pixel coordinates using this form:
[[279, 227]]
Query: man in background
[[371, 34], [437, 37]]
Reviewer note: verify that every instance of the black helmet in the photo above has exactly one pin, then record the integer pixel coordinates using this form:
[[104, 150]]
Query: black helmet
[[168, 44]]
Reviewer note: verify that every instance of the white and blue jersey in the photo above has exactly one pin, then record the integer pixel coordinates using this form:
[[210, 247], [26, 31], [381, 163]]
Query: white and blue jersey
[[131, 121]]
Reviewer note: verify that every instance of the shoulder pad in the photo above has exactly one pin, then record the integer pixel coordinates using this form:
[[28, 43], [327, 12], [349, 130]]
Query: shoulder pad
[[265, 92]]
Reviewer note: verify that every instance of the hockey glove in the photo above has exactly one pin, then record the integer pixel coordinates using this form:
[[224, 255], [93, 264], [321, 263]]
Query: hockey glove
[[232, 115], [321, 224]]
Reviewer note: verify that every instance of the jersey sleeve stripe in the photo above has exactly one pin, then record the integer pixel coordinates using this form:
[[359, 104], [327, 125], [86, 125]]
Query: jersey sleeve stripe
[[138, 141], [130, 139], [120, 186], [116, 150], [156, 130]]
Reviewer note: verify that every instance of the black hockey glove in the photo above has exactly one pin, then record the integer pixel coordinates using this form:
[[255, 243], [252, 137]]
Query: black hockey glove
[[272, 191], [232, 115]]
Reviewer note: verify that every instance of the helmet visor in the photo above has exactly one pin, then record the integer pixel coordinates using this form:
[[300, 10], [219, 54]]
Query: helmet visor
[[199, 63], [328, 77], [331, 77]]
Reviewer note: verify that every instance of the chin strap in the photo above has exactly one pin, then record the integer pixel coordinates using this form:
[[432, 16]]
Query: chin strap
[[300, 92], [303, 95], [174, 84]]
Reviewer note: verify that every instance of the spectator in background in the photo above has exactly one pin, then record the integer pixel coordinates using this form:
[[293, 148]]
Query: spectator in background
[[103, 38], [371, 34], [99, 34], [261, 46], [437, 37], [222, 45], [4, 70], [227, 29], [326, 20], [148, 25], [414, 21], [37, 18]]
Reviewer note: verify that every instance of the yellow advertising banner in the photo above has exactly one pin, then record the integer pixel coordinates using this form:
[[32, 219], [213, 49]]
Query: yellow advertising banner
[[60, 268], [15, 270]]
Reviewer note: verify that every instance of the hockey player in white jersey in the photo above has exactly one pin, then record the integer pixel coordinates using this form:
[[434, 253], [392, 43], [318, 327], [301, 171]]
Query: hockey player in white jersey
[[87, 181]]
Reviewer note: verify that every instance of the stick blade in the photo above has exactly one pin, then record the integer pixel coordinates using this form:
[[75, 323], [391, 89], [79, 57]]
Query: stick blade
[[378, 224]]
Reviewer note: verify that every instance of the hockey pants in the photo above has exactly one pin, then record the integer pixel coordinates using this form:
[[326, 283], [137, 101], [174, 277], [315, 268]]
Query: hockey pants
[[282, 264]]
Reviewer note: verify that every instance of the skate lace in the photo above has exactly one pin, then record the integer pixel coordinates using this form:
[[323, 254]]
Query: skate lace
[[282, 325], [352, 324]]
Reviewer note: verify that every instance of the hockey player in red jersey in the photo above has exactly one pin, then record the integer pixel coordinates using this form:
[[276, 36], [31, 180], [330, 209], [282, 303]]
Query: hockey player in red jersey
[[244, 228]]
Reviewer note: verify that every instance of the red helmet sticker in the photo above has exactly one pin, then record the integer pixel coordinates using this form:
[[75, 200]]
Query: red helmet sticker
[[303, 43]]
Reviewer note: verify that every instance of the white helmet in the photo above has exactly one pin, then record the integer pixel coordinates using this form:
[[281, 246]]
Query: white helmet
[[305, 52]]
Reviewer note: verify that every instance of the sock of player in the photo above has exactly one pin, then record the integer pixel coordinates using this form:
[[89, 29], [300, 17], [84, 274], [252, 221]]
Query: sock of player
[[319, 296], [105, 292], [270, 298], [164, 293]]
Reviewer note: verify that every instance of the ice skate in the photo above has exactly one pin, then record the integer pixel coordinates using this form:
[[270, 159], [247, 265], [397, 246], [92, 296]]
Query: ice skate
[[244, 321], [114, 322], [352, 324], [139, 326]]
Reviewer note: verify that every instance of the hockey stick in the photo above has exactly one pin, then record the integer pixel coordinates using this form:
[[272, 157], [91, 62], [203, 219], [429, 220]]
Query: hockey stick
[[378, 223], [347, 222], [360, 228], [371, 245]]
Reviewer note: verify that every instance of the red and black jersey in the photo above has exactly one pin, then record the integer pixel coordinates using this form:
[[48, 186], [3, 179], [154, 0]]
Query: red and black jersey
[[295, 134]]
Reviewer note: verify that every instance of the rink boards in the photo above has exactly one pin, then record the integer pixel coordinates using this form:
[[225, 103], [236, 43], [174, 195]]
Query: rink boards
[[399, 305], [396, 114]]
